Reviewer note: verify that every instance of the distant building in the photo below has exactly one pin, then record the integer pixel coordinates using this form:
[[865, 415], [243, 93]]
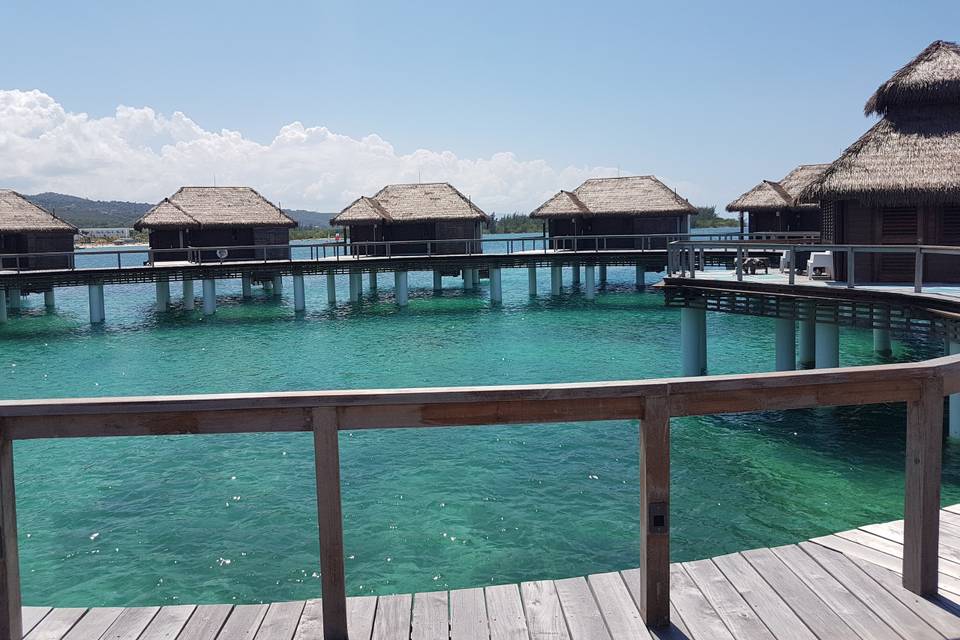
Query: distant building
[[636, 205], [900, 182], [217, 217], [777, 207], [106, 232], [413, 212], [28, 228]]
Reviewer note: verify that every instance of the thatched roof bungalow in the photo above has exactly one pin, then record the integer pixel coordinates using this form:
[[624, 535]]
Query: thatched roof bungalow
[[29, 228], [217, 217], [900, 182], [777, 206], [616, 206], [412, 212]]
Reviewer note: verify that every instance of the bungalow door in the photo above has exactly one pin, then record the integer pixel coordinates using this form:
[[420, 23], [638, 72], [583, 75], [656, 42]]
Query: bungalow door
[[898, 225]]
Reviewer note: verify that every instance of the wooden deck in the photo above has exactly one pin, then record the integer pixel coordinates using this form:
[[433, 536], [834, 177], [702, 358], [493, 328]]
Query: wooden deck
[[842, 586]]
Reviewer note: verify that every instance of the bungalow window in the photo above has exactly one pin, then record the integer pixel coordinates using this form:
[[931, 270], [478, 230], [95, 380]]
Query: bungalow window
[[899, 224]]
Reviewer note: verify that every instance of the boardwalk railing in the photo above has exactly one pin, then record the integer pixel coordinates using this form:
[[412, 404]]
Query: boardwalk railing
[[338, 250], [922, 386], [683, 257]]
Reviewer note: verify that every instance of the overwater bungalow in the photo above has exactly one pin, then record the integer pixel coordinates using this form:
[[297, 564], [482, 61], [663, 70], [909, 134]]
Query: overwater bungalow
[[776, 206], [28, 228], [616, 206], [413, 212], [217, 217], [900, 182]]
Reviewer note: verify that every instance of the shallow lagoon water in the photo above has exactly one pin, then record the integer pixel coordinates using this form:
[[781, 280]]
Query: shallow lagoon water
[[233, 518]]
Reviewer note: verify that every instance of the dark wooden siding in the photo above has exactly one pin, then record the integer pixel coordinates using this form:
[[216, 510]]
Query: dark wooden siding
[[37, 243], [225, 237]]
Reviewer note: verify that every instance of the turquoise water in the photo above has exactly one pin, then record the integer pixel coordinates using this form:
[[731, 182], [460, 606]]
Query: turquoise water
[[233, 518]]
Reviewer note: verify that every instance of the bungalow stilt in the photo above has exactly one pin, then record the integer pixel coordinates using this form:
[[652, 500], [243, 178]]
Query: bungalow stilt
[[437, 280], [209, 296], [3, 305], [163, 295], [496, 289], [95, 300], [589, 282], [400, 283], [532, 280], [246, 287], [786, 341], [828, 345], [331, 287], [299, 299], [189, 299], [49, 299]]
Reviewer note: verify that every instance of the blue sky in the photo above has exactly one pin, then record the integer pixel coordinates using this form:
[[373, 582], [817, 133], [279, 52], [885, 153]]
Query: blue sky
[[711, 96]]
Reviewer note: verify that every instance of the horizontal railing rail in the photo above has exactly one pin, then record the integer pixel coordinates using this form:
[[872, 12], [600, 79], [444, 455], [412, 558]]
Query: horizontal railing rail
[[684, 256], [922, 386]]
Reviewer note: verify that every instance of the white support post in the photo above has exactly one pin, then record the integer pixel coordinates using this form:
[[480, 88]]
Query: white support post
[[356, 286], [575, 273], [808, 336], [400, 283], [299, 298], [532, 280], [556, 279], [245, 284], [331, 287], [95, 298], [589, 281], [209, 296], [373, 279], [496, 289], [49, 299], [786, 341], [277, 286], [603, 275], [953, 411], [3, 304], [476, 278], [14, 299], [693, 333], [641, 275], [881, 335], [163, 295], [828, 345], [437, 280], [188, 297]]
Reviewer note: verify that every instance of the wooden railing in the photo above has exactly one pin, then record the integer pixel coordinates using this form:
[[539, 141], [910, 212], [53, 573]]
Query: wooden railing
[[922, 386]]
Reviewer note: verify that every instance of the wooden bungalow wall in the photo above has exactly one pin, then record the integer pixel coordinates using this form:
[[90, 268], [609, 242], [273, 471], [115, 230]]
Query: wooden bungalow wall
[[619, 225], [436, 231], [37, 243], [222, 237]]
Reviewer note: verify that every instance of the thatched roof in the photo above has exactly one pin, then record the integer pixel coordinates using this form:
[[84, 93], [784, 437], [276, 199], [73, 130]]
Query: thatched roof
[[913, 154], [933, 77], [410, 203], [630, 196], [19, 215], [782, 195], [214, 207]]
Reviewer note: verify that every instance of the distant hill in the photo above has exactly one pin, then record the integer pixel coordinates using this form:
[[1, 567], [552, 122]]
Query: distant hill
[[118, 213]]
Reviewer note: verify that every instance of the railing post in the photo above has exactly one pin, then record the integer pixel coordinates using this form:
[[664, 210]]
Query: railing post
[[921, 504], [739, 266], [10, 616], [851, 265], [792, 257], [330, 520], [655, 512], [918, 271]]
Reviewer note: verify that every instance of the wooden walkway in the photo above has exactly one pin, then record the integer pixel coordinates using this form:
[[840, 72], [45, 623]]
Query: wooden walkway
[[844, 586]]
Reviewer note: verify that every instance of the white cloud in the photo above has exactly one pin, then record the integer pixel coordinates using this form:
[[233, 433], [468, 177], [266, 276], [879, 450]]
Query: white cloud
[[138, 154]]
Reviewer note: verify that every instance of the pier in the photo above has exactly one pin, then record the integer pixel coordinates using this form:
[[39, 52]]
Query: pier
[[821, 589]]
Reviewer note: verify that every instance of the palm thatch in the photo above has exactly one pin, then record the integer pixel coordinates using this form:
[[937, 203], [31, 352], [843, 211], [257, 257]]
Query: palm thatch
[[19, 215], [410, 203], [629, 196], [214, 207], [913, 154], [785, 195]]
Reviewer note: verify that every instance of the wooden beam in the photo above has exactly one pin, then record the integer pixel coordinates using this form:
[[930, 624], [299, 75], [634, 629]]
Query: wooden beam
[[11, 625], [921, 508], [330, 520], [654, 601]]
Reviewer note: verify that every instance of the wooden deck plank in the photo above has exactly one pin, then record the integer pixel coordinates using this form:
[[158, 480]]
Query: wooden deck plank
[[431, 616], [949, 548], [778, 617], [168, 623], [698, 615], [505, 613], [56, 624], [361, 611], [543, 611], [677, 629], [868, 591], [855, 613], [310, 626], [895, 548], [580, 610], [392, 621], [468, 615], [94, 623], [31, 617], [735, 612], [130, 623], [619, 611], [825, 623], [243, 622], [943, 615], [206, 622], [953, 508], [281, 621]]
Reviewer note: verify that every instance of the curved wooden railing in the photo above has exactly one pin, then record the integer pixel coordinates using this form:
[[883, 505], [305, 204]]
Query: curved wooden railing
[[922, 386]]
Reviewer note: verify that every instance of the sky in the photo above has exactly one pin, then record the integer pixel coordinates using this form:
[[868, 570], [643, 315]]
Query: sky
[[317, 103]]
